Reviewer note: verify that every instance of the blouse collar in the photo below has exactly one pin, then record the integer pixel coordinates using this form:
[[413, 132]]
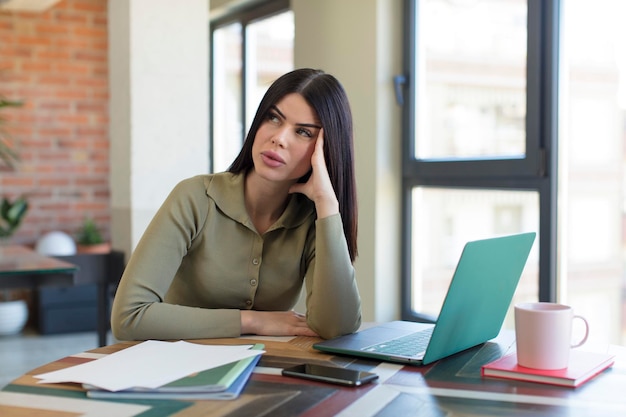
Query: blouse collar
[[227, 190]]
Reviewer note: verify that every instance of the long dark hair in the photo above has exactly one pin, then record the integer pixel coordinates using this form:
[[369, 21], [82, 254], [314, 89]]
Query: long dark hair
[[327, 97]]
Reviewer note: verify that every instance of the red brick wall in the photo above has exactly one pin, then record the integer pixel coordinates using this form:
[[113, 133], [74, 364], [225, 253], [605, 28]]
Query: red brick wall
[[56, 63]]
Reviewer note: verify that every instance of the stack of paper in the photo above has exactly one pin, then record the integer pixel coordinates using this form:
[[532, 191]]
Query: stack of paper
[[165, 370]]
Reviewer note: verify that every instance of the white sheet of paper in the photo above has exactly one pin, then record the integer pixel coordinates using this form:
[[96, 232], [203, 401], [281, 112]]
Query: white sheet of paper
[[149, 364]]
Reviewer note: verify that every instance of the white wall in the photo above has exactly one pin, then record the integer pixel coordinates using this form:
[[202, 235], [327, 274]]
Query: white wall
[[158, 106]]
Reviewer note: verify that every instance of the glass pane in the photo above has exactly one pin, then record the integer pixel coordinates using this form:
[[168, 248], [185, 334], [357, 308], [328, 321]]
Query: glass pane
[[445, 219], [269, 54], [471, 80], [227, 85], [592, 128]]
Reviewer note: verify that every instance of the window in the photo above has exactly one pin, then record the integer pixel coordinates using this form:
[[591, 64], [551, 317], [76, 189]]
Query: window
[[250, 49], [476, 141], [472, 79], [592, 129], [227, 90], [492, 86], [445, 218]]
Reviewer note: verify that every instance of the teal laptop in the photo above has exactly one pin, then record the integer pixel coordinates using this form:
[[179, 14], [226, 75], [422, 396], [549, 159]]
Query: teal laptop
[[472, 313]]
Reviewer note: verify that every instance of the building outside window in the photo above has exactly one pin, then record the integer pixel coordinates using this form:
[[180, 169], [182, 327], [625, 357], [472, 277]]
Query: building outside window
[[592, 164]]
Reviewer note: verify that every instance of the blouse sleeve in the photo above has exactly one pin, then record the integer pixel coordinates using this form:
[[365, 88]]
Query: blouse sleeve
[[140, 310], [333, 301]]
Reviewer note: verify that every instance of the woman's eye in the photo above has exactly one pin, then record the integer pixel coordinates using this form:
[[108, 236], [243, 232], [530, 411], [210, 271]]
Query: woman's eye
[[271, 117], [305, 132]]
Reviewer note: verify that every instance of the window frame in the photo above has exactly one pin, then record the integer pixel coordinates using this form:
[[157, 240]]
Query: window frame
[[537, 171]]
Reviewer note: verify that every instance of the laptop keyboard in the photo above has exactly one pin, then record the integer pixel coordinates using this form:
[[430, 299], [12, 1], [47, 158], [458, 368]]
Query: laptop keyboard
[[409, 345]]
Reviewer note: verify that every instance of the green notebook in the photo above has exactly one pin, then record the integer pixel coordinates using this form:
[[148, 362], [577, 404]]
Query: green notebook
[[216, 379]]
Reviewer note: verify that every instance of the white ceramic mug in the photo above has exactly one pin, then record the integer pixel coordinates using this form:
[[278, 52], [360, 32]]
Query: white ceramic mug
[[543, 333]]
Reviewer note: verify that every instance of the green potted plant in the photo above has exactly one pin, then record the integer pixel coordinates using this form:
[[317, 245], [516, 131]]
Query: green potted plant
[[90, 240], [11, 215], [13, 307], [8, 156]]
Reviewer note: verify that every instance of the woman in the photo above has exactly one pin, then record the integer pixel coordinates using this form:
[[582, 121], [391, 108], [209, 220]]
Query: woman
[[227, 253]]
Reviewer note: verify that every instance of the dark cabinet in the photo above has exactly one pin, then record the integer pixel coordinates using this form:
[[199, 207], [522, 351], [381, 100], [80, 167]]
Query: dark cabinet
[[86, 305]]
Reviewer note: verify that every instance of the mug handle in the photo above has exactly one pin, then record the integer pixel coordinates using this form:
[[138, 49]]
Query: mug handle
[[586, 331]]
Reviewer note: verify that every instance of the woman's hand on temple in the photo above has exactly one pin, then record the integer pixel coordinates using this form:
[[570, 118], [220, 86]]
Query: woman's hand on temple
[[275, 323], [319, 188]]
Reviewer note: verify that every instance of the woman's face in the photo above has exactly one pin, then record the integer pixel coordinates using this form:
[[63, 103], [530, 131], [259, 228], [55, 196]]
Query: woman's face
[[285, 140]]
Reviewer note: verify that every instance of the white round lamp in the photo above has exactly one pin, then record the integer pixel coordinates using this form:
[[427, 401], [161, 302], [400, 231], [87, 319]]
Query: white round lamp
[[56, 244]]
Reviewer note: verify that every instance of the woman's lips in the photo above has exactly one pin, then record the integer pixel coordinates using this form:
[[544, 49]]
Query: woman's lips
[[272, 159]]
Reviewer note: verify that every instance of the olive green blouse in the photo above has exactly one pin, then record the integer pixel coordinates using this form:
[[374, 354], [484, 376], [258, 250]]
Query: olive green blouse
[[201, 261]]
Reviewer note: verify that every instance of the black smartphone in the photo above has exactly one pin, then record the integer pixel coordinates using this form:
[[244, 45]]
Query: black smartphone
[[332, 374]]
